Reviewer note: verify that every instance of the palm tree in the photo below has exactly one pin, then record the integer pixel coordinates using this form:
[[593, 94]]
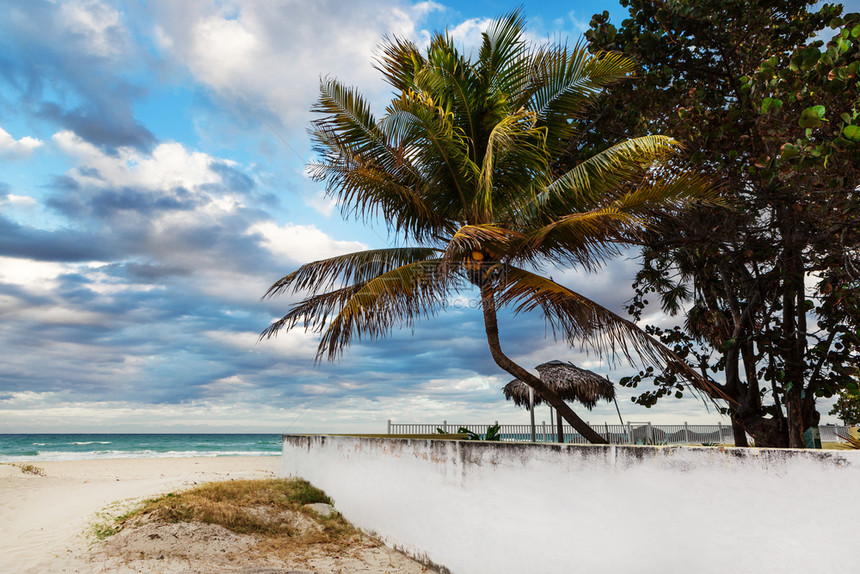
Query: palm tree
[[463, 165]]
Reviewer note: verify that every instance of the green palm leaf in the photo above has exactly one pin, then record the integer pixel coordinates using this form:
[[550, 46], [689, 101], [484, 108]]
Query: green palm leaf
[[501, 61], [398, 61], [347, 116], [366, 191], [514, 151], [437, 146], [369, 308], [563, 82], [666, 192], [603, 174], [314, 312], [455, 83]]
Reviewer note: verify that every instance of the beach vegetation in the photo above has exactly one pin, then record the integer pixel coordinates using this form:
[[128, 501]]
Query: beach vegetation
[[111, 519], [766, 287], [269, 521], [104, 527], [233, 525], [255, 507], [465, 168], [493, 433], [31, 469]]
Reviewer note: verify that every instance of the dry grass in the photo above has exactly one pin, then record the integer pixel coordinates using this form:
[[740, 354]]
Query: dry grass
[[242, 526], [270, 510], [31, 469]]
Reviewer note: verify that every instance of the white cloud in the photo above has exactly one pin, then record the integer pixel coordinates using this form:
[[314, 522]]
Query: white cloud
[[321, 203], [173, 170], [9, 146], [292, 344], [39, 276], [271, 55], [19, 200], [468, 34], [97, 23], [42, 279], [580, 24], [471, 384], [228, 386], [169, 165], [421, 9], [61, 315], [223, 50], [302, 243]]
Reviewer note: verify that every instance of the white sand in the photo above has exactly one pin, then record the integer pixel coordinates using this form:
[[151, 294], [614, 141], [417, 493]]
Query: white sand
[[45, 521], [42, 517]]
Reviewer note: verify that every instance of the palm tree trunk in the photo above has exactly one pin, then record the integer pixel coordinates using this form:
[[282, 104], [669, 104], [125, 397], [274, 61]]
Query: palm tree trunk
[[491, 325], [560, 426]]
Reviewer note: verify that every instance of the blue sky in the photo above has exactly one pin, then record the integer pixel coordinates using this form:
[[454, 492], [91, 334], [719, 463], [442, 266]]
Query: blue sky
[[152, 187]]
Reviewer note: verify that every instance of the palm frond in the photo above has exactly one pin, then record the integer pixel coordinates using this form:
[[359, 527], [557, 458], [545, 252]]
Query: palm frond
[[371, 308], [397, 297], [587, 239], [501, 59], [345, 113], [453, 79], [667, 192], [562, 83], [348, 133], [399, 60], [351, 268], [580, 320], [438, 148], [513, 151], [313, 313], [492, 241], [370, 168], [603, 174], [366, 191]]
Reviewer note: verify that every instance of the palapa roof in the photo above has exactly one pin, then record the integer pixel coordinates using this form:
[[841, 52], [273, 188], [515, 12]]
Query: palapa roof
[[566, 379]]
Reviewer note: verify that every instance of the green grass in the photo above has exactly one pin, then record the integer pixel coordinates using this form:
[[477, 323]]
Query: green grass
[[112, 519], [104, 528]]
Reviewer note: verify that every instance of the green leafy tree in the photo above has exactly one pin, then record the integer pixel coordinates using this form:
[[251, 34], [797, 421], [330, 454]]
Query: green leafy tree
[[847, 406], [771, 285], [464, 165]]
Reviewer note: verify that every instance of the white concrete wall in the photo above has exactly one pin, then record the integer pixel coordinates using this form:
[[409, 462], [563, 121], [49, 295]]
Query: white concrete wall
[[477, 507]]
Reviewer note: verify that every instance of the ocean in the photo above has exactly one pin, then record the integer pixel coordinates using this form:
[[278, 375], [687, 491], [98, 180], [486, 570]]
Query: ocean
[[36, 447]]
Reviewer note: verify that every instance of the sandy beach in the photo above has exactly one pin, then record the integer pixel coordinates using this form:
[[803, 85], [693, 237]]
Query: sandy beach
[[45, 520]]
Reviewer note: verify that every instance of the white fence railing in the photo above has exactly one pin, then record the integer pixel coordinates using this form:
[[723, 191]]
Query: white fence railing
[[628, 433]]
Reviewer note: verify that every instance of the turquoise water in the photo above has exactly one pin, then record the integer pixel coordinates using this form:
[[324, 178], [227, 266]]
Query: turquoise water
[[35, 447]]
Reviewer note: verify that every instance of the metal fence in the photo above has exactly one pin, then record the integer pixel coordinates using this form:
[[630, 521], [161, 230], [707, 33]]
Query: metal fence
[[628, 433]]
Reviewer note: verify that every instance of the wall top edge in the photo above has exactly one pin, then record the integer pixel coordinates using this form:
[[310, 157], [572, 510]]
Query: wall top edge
[[851, 457]]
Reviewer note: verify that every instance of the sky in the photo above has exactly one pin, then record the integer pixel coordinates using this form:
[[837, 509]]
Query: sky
[[152, 187]]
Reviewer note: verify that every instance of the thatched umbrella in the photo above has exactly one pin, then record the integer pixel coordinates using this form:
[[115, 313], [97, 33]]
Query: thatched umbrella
[[566, 379]]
